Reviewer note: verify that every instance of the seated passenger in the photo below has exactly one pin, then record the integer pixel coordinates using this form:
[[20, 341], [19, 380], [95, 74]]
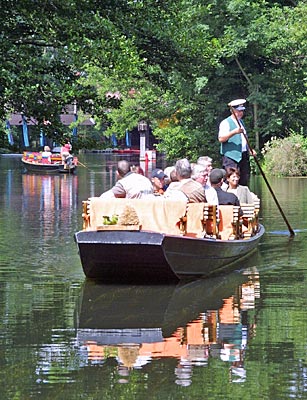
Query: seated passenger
[[168, 171], [186, 186], [46, 154], [206, 162], [242, 192], [137, 169], [200, 174], [173, 176], [129, 184], [224, 198], [158, 181]]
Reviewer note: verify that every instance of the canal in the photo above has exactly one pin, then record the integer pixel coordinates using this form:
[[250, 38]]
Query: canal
[[239, 336]]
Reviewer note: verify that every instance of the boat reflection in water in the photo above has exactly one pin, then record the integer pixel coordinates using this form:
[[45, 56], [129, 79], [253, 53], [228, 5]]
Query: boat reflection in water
[[191, 322], [49, 200]]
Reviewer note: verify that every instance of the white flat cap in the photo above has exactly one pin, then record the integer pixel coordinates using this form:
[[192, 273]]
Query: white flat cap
[[238, 104]]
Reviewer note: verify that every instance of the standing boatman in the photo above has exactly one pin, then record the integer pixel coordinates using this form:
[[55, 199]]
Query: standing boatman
[[232, 136]]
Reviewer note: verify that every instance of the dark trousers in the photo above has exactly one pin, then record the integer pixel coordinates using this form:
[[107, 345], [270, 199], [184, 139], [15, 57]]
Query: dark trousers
[[243, 166]]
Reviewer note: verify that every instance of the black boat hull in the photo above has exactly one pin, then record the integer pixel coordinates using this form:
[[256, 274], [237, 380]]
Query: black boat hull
[[39, 168], [131, 255]]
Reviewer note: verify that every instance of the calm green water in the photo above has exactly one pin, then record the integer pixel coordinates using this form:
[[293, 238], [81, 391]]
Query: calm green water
[[240, 336]]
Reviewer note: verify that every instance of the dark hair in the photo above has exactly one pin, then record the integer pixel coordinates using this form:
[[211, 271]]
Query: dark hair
[[232, 170]]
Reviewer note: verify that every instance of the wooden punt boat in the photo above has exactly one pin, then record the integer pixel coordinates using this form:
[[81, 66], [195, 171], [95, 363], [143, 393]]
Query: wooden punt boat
[[33, 162], [164, 240]]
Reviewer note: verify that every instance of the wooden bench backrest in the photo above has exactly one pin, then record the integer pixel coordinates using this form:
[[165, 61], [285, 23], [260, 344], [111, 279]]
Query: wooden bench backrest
[[176, 217], [159, 215]]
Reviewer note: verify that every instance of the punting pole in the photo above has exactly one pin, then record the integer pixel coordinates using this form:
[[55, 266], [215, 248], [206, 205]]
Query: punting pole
[[83, 165], [291, 231]]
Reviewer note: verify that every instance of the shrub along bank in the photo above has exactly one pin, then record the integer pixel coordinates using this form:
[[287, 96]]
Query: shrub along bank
[[286, 157]]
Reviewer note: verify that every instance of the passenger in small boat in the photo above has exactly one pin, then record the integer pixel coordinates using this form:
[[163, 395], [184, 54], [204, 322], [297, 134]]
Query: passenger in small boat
[[200, 174], [168, 171], [186, 186], [216, 179], [129, 184], [242, 192], [46, 155], [137, 169], [158, 181], [173, 175], [205, 161]]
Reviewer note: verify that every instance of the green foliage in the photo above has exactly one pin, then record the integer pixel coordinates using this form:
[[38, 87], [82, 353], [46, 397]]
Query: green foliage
[[175, 142], [186, 55], [178, 142], [286, 157]]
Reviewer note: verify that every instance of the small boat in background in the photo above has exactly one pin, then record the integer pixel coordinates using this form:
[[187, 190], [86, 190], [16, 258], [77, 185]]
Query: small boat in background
[[34, 162], [126, 151]]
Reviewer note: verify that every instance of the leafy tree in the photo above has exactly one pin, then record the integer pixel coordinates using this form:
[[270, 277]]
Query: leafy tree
[[187, 58]]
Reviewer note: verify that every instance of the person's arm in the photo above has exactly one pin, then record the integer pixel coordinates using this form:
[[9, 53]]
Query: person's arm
[[253, 152], [211, 196], [118, 190], [249, 196], [108, 194], [197, 196], [225, 134]]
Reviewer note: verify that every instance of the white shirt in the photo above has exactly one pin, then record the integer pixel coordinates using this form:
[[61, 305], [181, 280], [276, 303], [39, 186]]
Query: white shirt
[[224, 130], [211, 195]]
